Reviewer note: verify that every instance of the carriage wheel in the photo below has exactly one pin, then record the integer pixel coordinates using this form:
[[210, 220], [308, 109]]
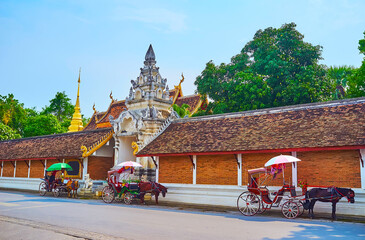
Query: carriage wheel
[[290, 209], [248, 203], [42, 188], [128, 198], [301, 208], [108, 194], [57, 191], [262, 207]]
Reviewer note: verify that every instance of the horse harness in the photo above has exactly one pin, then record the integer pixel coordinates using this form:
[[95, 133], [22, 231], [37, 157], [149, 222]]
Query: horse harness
[[335, 195]]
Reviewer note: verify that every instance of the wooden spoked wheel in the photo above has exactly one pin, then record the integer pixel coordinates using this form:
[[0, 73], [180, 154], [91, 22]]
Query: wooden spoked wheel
[[57, 191], [42, 188], [301, 208], [128, 198], [248, 203], [290, 209], [108, 194]]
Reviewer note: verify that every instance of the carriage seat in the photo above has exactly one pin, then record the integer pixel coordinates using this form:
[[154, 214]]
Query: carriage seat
[[265, 195], [133, 186], [114, 180]]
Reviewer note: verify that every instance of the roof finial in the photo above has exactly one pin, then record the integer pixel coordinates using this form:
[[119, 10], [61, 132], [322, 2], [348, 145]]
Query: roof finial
[[79, 74], [182, 75], [111, 96], [94, 108], [150, 55]]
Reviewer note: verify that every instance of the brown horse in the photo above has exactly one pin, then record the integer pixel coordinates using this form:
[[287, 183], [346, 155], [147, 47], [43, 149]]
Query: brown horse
[[153, 188], [332, 194], [72, 186]]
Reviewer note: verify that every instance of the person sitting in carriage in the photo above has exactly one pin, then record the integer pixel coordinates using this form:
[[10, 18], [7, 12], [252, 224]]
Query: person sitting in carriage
[[51, 179]]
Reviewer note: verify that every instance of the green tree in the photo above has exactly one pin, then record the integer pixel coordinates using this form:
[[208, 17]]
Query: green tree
[[276, 68], [60, 106], [43, 124], [339, 77], [290, 64], [182, 111], [356, 82], [12, 113], [7, 133]]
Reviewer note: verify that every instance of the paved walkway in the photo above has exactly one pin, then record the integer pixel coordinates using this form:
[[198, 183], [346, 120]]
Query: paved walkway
[[29, 216]]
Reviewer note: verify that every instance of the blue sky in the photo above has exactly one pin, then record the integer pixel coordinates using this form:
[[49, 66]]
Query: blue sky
[[43, 43]]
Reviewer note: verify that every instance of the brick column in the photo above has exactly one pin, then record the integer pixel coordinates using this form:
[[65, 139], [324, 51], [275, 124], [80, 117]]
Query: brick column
[[362, 167], [294, 171], [194, 169], [239, 169]]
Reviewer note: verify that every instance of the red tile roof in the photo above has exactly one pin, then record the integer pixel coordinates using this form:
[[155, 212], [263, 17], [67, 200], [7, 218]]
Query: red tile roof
[[58, 146], [92, 123], [318, 125], [115, 109], [191, 100]]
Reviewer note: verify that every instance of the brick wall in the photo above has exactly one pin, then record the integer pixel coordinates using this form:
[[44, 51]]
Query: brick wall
[[258, 160], [50, 162], [21, 169], [175, 169], [36, 169], [98, 167], [8, 170], [216, 169], [327, 168]]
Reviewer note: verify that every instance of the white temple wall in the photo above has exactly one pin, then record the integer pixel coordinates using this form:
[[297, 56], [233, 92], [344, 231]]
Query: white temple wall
[[125, 152], [107, 150]]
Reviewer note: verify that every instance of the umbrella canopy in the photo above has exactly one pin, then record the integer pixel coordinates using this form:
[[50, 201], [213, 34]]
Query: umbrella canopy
[[128, 164], [282, 159], [59, 166]]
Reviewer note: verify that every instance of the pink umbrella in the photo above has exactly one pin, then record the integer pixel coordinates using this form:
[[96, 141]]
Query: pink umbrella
[[129, 164], [282, 159]]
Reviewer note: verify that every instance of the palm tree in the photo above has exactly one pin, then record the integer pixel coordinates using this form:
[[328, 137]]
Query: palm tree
[[339, 77]]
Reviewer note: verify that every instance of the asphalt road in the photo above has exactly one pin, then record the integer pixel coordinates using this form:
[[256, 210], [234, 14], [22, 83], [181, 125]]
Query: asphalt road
[[29, 216]]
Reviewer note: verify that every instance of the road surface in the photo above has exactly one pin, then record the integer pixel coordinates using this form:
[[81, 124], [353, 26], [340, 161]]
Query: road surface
[[29, 216]]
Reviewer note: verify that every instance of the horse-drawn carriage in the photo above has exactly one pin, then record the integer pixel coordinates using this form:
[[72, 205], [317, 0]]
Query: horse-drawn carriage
[[58, 186], [258, 198], [127, 190]]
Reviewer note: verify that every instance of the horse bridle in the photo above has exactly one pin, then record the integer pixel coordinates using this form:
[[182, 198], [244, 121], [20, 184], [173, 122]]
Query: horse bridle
[[348, 195]]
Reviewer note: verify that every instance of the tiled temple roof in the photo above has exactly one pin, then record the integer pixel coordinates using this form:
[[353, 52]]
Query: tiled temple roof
[[115, 109], [67, 145], [318, 125], [194, 101], [92, 123]]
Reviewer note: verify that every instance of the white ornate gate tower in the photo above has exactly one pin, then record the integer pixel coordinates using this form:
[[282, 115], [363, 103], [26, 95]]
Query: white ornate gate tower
[[148, 106]]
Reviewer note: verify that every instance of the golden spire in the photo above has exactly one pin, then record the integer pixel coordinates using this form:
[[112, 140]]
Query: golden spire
[[76, 122]]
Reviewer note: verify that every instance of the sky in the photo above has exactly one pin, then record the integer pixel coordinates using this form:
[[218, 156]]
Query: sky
[[44, 43]]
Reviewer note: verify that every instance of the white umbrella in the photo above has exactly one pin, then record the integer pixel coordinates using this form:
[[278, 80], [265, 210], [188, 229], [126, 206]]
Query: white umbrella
[[282, 159], [128, 164]]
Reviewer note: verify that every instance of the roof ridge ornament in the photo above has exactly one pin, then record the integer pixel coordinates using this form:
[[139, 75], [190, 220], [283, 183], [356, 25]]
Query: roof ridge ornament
[[111, 96], [150, 55]]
